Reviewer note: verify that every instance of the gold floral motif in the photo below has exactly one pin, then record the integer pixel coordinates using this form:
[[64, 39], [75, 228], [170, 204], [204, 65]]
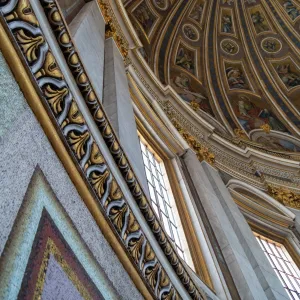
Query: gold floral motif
[[117, 216], [24, 12], [194, 105], [266, 128], [98, 180], [115, 192], [284, 196], [74, 115], [78, 143], [202, 152], [135, 248], [111, 30], [55, 98], [50, 68], [151, 275], [29, 44], [96, 157], [240, 133]]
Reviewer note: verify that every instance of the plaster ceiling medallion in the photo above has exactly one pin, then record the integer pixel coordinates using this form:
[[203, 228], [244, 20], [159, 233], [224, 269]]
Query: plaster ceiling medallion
[[271, 45], [229, 46], [234, 62], [190, 32]]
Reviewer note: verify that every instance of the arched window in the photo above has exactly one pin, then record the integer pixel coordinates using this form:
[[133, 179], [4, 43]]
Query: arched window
[[283, 265], [161, 196]]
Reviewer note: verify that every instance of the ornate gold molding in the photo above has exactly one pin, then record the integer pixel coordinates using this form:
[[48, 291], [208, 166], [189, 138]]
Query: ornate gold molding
[[284, 196], [202, 152], [113, 28], [266, 128]]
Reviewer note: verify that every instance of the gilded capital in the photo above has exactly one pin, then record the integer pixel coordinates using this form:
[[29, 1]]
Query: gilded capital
[[284, 196]]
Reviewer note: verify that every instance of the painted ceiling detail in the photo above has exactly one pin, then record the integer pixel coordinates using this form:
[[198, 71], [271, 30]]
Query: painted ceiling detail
[[237, 61]]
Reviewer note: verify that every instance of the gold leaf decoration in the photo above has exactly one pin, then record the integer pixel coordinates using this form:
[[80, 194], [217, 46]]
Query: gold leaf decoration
[[151, 275], [74, 115], [117, 216], [202, 152], [285, 196], [266, 128], [135, 248], [77, 143], [98, 180], [55, 97], [29, 45], [96, 156], [115, 192]]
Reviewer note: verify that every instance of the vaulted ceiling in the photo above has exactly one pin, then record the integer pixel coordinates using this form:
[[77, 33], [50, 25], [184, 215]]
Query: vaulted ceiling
[[235, 61]]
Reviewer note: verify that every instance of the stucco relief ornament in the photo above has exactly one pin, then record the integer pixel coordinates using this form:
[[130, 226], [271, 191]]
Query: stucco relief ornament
[[203, 153], [285, 196], [271, 45], [240, 133], [194, 105], [229, 46], [266, 128], [190, 32]]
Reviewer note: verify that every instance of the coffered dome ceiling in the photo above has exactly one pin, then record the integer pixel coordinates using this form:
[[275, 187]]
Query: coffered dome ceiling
[[236, 62]]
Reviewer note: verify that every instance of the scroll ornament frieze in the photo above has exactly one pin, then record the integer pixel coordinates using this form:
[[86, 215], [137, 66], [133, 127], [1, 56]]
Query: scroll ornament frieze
[[86, 153], [285, 196], [59, 28]]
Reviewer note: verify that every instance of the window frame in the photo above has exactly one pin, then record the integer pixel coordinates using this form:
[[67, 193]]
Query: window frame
[[282, 263], [159, 185]]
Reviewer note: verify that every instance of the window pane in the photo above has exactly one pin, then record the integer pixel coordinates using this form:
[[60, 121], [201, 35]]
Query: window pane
[[165, 195], [143, 148], [155, 208], [166, 225], [156, 177], [282, 265], [153, 170], [157, 185], [145, 159], [176, 237], [152, 192], [170, 213], [148, 174], [161, 203]]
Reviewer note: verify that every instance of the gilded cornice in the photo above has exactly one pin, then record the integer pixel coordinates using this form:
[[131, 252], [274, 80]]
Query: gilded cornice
[[72, 127], [202, 152], [113, 28], [285, 196]]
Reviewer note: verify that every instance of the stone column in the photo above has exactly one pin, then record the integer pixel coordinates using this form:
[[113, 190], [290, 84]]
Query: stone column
[[118, 107], [88, 33], [252, 274]]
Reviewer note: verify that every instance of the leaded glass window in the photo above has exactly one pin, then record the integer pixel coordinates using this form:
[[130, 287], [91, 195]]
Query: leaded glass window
[[159, 194], [283, 265]]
